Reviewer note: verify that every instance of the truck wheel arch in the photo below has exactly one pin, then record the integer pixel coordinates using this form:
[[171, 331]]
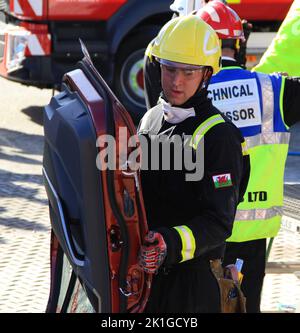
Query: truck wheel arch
[[128, 78], [129, 36], [133, 15]]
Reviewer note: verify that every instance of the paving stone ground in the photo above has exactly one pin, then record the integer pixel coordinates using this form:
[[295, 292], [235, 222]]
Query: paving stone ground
[[24, 221]]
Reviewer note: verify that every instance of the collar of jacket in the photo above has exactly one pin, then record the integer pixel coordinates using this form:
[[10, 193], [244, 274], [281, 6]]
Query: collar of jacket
[[196, 105], [227, 62], [175, 114]]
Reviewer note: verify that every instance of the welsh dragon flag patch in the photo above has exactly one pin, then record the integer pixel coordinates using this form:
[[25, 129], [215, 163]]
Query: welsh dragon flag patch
[[223, 180]]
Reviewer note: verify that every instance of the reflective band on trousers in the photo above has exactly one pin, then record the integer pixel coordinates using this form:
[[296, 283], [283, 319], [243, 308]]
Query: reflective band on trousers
[[187, 241], [258, 214], [204, 128]]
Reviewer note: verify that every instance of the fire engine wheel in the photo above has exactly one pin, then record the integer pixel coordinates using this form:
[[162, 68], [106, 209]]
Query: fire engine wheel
[[129, 80]]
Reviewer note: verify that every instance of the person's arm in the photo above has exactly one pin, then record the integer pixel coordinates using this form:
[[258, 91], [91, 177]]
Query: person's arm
[[218, 196], [291, 100], [240, 55]]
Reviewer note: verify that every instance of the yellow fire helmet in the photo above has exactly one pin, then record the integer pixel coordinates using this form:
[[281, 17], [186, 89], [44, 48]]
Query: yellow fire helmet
[[148, 51], [188, 40]]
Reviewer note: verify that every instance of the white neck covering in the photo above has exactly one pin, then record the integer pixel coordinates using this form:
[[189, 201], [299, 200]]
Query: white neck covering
[[174, 114]]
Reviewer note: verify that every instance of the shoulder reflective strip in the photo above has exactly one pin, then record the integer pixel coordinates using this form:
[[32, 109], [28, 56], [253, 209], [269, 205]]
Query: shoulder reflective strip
[[267, 139], [258, 214], [268, 103], [281, 100], [244, 148], [204, 128], [188, 242]]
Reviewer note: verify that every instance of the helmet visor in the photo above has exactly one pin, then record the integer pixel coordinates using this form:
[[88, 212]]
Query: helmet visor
[[179, 65]]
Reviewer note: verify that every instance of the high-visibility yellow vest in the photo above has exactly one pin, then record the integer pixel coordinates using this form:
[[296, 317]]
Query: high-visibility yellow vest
[[254, 103], [283, 54]]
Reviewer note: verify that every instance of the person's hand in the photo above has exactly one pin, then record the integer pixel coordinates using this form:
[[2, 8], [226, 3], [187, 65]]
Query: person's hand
[[152, 252], [231, 272], [247, 28], [281, 73]]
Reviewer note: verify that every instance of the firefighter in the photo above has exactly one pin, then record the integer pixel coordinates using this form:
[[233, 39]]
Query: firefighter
[[152, 82], [263, 107], [189, 217]]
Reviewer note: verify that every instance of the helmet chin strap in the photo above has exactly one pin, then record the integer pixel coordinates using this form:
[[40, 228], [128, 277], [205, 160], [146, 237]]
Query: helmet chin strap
[[205, 79]]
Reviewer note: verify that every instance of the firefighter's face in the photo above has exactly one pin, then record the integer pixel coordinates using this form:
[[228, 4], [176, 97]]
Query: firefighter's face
[[180, 84]]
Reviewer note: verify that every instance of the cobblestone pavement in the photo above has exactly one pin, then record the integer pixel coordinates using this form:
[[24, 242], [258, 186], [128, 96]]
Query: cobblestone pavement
[[281, 291], [24, 222]]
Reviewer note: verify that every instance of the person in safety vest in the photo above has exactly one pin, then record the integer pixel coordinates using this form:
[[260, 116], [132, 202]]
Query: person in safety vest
[[152, 82], [263, 107], [282, 55], [190, 213]]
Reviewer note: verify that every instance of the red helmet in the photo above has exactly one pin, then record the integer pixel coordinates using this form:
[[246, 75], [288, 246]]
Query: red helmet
[[224, 20]]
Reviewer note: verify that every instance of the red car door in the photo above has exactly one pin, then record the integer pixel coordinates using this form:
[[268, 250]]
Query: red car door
[[96, 211]]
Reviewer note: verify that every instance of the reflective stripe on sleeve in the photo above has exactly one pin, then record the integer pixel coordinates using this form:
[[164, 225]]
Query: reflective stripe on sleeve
[[187, 241]]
